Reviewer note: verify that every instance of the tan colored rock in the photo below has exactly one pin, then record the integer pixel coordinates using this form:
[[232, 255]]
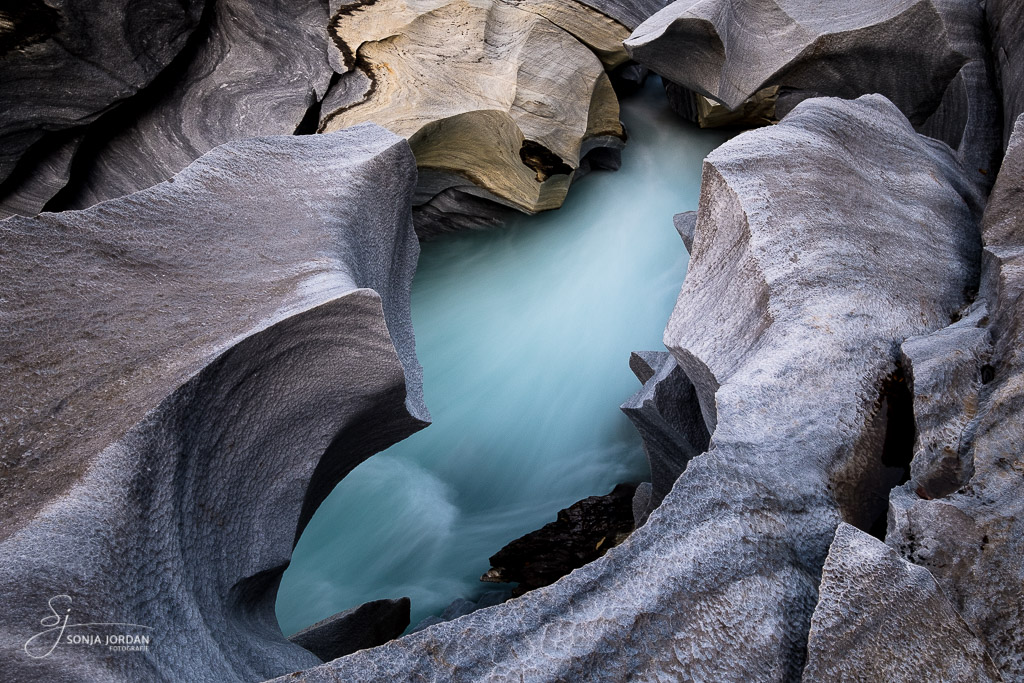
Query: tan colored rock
[[499, 99]]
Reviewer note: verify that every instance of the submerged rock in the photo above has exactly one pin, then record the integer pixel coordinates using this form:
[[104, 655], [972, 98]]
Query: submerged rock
[[880, 618], [972, 540], [65, 62], [581, 533], [188, 372], [500, 101], [788, 327], [368, 625]]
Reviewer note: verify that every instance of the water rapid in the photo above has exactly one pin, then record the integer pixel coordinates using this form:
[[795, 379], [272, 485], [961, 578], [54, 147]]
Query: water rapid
[[524, 334]]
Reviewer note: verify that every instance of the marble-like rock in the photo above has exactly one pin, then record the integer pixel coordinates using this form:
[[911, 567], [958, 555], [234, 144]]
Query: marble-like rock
[[973, 539], [821, 245], [945, 374], [881, 618], [65, 62], [258, 69], [1005, 20], [499, 100], [368, 625], [666, 413], [188, 371], [760, 58], [728, 51]]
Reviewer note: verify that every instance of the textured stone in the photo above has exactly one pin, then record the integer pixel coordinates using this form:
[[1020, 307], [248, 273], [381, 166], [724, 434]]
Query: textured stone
[[1005, 30], [40, 175], [788, 325], [368, 625], [944, 371], [188, 371], [667, 415], [258, 68], [580, 534], [686, 225], [973, 539], [880, 618], [65, 62], [499, 100]]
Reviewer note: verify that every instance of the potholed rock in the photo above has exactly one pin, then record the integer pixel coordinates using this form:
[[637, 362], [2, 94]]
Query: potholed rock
[[880, 618], [188, 371], [801, 287]]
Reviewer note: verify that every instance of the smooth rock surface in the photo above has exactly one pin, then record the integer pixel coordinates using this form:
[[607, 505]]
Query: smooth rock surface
[[728, 51], [499, 100], [256, 70], [721, 582], [972, 541], [880, 618], [369, 625], [188, 371], [65, 62]]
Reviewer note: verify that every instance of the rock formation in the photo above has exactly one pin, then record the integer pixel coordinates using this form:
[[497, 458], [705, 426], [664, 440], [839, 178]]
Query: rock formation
[[880, 618], [667, 415], [257, 69], [760, 58], [369, 625], [188, 371], [972, 540], [1005, 28], [514, 98], [788, 326], [65, 62]]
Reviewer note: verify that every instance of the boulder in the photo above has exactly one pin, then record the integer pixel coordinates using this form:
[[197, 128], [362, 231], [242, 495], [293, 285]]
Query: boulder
[[821, 245], [65, 62], [972, 540], [368, 625], [500, 101], [880, 618], [188, 371], [258, 69]]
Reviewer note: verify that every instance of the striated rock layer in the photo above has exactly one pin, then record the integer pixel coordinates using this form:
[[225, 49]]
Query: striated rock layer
[[256, 70], [972, 540], [1005, 30], [788, 327], [500, 100], [187, 373], [65, 62]]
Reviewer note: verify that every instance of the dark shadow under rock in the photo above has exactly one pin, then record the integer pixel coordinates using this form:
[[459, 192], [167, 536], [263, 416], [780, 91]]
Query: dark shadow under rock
[[368, 625]]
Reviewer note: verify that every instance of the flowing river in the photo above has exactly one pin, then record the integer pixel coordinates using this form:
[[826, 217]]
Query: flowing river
[[524, 333]]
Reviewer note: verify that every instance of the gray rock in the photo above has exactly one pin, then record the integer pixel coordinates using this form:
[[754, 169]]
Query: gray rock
[[686, 225], [629, 13], [1005, 27], [65, 62], [880, 618], [40, 175], [944, 372], [188, 371], [728, 51], [667, 415], [973, 540], [257, 70], [789, 329], [368, 625]]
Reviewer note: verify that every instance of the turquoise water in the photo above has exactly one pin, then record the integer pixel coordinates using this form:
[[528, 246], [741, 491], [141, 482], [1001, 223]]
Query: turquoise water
[[524, 334]]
